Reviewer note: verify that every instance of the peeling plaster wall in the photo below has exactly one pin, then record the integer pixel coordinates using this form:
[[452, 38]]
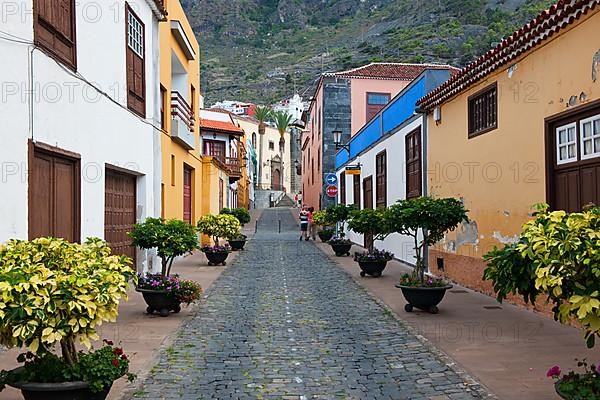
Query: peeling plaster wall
[[501, 174]]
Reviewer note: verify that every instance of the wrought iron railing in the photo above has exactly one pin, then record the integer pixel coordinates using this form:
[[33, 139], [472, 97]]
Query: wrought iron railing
[[182, 110]]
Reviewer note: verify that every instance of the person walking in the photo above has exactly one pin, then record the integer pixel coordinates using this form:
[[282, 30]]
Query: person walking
[[312, 228], [304, 224]]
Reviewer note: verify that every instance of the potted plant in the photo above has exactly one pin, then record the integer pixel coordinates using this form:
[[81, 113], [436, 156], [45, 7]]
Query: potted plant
[[218, 226], [54, 294], [584, 385], [374, 226], [338, 215], [426, 220], [242, 215], [558, 256], [326, 232], [176, 291], [172, 239]]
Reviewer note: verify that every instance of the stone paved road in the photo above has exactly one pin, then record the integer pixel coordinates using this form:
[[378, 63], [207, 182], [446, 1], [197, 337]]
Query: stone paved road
[[283, 322]]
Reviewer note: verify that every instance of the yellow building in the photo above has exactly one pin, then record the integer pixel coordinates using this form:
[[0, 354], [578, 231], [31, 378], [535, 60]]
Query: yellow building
[[518, 126]]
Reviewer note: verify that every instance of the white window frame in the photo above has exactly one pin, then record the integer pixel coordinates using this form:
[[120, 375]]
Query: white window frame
[[594, 136], [135, 34], [559, 145]]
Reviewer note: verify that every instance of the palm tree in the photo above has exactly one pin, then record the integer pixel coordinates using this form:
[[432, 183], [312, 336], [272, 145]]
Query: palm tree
[[282, 122], [263, 114]]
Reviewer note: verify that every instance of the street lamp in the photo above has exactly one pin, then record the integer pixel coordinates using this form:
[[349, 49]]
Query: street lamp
[[337, 140]]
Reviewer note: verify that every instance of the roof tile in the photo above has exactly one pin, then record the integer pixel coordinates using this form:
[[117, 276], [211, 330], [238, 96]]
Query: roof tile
[[395, 71]]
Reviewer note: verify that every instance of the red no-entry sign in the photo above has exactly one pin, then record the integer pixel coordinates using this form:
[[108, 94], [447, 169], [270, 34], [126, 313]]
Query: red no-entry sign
[[332, 191]]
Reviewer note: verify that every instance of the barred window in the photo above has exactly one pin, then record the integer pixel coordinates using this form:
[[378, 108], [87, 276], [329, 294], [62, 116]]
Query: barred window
[[483, 111]]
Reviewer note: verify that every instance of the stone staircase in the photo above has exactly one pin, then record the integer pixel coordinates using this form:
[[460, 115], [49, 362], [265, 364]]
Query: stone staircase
[[286, 201]]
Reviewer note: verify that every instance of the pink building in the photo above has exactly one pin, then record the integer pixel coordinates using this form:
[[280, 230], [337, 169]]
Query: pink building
[[345, 101]]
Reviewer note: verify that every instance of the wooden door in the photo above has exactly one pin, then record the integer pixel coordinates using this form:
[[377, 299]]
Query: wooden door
[[119, 212], [368, 192], [54, 196], [187, 194], [276, 179]]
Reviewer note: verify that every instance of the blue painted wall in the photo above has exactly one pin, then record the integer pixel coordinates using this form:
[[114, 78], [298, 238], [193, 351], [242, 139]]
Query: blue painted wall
[[401, 108]]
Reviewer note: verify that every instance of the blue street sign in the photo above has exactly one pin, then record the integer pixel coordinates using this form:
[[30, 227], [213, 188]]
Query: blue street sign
[[331, 179]]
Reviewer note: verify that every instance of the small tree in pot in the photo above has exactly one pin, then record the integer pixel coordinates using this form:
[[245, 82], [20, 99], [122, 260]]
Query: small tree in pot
[[558, 256], [58, 293], [373, 224], [426, 220], [217, 227], [320, 218], [243, 216], [338, 215], [173, 238]]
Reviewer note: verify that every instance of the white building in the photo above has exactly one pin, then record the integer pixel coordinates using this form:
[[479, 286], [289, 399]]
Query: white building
[[390, 152], [80, 154], [294, 106], [235, 107]]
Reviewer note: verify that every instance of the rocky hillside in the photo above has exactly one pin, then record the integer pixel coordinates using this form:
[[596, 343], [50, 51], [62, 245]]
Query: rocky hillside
[[262, 50]]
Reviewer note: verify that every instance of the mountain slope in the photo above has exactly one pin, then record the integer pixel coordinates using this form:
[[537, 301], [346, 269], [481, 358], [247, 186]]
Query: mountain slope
[[263, 50]]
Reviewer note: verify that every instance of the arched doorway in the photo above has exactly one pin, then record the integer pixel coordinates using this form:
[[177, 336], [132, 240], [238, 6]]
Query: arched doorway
[[276, 182]]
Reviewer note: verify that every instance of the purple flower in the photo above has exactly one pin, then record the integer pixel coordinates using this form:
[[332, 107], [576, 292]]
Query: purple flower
[[598, 368], [553, 372]]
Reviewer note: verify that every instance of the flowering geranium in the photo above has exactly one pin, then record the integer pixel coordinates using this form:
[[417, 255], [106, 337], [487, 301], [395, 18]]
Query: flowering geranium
[[216, 249], [184, 291], [376, 255], [584, 385], [430, 281]]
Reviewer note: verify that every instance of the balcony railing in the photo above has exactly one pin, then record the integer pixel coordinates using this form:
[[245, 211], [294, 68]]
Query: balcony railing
[[181, 109], [234, 165], [182, 126]]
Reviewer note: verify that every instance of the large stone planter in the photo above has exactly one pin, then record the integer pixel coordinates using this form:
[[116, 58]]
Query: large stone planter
[[159, 301], [341, 250], [217, 258], [58, 391], [424, 298], [372, 268]]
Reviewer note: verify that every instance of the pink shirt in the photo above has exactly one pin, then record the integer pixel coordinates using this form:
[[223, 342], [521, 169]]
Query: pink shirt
[[310, 217]]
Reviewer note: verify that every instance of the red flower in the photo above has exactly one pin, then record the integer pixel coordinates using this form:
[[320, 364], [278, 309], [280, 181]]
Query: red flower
[[115, 362], [108, 342], [118, 351], [123, 357]]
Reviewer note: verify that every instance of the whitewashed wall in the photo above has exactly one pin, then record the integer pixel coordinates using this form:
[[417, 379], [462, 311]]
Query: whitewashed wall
[[402, 246], [45, 102]]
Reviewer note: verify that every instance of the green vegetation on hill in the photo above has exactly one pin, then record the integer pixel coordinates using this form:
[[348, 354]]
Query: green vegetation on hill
[[263, 50]]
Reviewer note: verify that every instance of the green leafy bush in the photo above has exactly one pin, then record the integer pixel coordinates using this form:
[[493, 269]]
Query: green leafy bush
[[240, 213], [373, 223], [219, 226], [559, 257], [426, 217], [172, 238], [55, 292]]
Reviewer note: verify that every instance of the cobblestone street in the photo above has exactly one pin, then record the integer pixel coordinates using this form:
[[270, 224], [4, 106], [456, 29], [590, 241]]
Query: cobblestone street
[[283, 322]]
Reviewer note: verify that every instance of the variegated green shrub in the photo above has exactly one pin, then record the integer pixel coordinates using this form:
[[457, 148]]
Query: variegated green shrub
[[53, 291], [561, 252]]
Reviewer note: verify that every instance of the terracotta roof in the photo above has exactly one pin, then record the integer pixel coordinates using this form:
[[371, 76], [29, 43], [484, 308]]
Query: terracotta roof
[[544, 26], [220, 126], [395, 71]]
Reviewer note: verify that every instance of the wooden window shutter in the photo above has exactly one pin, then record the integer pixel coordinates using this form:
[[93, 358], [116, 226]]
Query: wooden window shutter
[[413, 164], [356, 184], [381, 179], [54, 29], [343, 188], [136, 73]]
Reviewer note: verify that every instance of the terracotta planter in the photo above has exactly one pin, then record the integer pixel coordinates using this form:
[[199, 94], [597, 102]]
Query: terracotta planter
[[373, 268], [341, 249], [159, 301], [424, 298], [217, 258], [237, 245], [59, 391]]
